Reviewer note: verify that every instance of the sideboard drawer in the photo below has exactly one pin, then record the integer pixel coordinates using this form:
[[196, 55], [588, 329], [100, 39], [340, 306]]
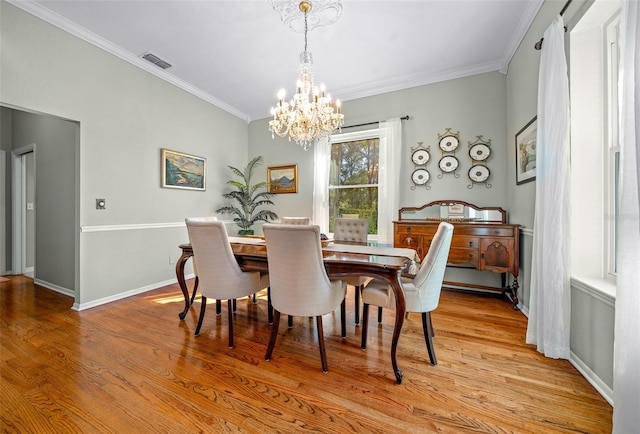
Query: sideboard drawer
[[458, 256], [465, 242]]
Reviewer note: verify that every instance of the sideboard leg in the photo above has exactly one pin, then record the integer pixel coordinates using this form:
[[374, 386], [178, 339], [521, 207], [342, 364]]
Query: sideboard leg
[[514, 293]]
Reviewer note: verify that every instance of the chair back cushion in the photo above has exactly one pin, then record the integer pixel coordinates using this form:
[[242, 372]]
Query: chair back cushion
[[299, 282], [218, 272], [353, 230], [428, 281], [295, 220]]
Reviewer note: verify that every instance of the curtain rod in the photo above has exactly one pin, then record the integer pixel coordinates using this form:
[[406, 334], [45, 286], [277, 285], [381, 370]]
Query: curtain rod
[[538, 45], [404, 118]]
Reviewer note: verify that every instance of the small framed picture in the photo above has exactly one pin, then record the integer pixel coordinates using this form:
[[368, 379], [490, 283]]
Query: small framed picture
[[456, 209], [183, 171], [283, 179], [526, 152]]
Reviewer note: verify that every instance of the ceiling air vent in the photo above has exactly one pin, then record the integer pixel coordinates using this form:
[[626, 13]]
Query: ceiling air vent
[[156, 60]]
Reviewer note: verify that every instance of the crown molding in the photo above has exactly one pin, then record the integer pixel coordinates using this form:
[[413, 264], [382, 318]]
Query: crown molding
[[521, 31], [368, 89], [35, 9]]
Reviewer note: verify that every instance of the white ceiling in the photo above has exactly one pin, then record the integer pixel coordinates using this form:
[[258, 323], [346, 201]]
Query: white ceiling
[[237, 53]]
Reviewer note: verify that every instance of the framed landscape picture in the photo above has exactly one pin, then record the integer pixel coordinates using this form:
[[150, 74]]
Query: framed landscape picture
[[283, 179], [526, 152], [183, 171]]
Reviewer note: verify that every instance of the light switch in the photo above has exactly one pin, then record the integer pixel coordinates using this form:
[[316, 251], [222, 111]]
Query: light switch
[[101, 204]]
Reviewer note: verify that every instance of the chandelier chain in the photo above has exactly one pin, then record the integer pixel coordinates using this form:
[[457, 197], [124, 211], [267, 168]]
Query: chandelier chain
[[305, 31]]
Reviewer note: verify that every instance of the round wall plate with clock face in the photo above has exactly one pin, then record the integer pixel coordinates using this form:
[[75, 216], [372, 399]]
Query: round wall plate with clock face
[[420, 176], [420, 157], [479, 152], [448, 163], [479, 173], [449, 143]]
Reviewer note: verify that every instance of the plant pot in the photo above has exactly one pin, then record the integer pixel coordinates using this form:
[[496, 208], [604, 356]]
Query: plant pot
[[242, 232]]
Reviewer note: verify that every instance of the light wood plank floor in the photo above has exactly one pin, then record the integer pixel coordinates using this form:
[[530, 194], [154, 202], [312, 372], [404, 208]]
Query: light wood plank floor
[[133, 366]]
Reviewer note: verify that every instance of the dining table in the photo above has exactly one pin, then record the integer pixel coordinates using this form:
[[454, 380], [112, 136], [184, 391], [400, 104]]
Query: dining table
[[340, 260]]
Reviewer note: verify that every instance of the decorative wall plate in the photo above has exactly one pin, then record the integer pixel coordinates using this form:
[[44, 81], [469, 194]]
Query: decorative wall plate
[[420, 157], [448, 163], [449, 143], [420, 176], [479, 152], [479, 173]]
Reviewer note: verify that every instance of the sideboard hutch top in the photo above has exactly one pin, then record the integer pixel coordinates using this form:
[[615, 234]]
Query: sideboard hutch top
[[453, 211]]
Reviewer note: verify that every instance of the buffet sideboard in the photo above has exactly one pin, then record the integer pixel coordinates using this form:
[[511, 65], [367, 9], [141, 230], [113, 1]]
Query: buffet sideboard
[[481, 239]]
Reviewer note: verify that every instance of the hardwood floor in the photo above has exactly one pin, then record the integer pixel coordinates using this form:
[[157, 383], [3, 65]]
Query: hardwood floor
[[133, 366]]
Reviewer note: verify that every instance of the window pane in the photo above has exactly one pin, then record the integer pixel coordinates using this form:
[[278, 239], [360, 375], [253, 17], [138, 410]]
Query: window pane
[[362, 201], [616, 209], [354, 163]]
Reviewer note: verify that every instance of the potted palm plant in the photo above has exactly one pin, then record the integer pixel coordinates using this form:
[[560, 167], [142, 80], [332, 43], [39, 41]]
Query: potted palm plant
[[248, 198]]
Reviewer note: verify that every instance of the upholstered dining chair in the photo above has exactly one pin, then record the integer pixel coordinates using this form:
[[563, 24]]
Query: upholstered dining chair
[[289, 221], [219, 274], [353, 231], [299, 282], [422, 292], [295, 220]]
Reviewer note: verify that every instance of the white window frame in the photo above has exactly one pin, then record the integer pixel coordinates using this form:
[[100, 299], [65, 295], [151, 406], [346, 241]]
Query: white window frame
[[612, 143], [352, 137]]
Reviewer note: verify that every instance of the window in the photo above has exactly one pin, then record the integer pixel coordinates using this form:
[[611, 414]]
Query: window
[[595, 150], [353, 177], [613, 143]]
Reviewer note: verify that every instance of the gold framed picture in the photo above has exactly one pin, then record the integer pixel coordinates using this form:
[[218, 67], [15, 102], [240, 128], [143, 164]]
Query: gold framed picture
[[183, 171], [283, 179]]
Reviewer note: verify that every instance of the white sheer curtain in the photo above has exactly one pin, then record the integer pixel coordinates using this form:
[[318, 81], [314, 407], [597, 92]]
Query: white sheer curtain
[[626, 364], [389, 177], [549, 310], [321, 162]]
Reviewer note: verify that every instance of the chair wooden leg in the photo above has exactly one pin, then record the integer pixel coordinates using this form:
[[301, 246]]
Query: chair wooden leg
[[273, 336], [255, 298], [230, 315], [195, 289], [323, 353], [433, 333], [365, 321], [218, 307], [234, 306], [379, 314], [290, 321], [203, 308], [269, 306], [343, 318], [357, 296], [428, 333]]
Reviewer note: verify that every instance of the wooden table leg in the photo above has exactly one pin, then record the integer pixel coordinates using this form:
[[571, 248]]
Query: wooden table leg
[[401, 308], [183, 284]]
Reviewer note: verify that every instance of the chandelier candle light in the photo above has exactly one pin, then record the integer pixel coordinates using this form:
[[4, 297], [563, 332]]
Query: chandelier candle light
[[310, 114]]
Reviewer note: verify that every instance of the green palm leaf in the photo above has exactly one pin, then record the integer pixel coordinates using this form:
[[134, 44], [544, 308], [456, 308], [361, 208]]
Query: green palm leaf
[[248, 197]]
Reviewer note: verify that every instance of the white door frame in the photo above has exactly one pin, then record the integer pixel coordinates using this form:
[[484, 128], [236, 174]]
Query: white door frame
[[17, 204]]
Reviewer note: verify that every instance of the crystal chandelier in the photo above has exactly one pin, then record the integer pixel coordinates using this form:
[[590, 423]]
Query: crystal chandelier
[[310, 114]]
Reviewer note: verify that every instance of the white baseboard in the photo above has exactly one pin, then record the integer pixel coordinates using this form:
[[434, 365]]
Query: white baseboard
[[592, 378], [56, 288], [120, 296]]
